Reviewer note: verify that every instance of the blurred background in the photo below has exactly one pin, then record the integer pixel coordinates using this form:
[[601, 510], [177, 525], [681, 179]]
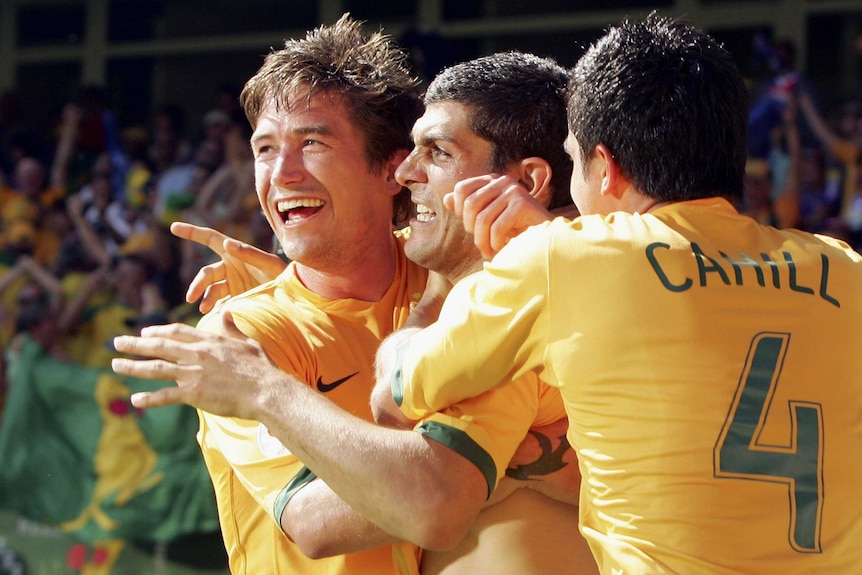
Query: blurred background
[[152, 52]]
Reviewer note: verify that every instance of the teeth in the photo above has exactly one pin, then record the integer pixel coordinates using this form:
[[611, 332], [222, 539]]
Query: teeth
[[424, 213], [286, 205]]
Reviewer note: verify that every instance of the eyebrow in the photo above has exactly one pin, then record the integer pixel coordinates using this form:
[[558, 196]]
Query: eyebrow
[[429, 138], [320, 129]]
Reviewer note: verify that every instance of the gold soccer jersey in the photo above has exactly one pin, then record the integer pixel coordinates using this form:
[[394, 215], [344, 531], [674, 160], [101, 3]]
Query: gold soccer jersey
[[710, 369], [330, 344]]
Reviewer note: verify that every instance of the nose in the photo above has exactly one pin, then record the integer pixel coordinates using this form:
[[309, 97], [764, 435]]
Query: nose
[[408, 171], [287, 169]]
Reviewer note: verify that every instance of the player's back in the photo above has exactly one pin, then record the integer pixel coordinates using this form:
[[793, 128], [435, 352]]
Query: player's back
[[713, 380]]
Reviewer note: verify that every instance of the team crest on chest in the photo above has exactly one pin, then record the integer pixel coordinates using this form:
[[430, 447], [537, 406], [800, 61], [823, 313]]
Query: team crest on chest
[[269, 444]]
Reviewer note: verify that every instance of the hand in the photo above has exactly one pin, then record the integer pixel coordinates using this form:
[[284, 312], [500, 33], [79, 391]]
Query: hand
[[241, 268], [494, 209], [228, 374]]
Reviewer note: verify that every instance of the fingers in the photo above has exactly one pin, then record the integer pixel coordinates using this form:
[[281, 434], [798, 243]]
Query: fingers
[[495, 209], [170, 342], [159, 398], [488, 225], [179, 332], [480, 202], [151, 369], [208, 237], [214, 294], [270, 264], [206, 276], [467, 191]]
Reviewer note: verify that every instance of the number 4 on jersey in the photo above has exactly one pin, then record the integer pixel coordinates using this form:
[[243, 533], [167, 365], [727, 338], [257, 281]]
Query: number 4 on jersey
[[740, 453]]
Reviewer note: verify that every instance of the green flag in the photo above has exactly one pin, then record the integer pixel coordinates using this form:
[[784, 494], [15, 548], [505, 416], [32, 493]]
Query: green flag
[[76, 454]]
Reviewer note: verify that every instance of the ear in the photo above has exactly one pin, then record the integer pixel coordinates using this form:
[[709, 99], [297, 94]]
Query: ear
[[392, 185], [535, 175], [606, 168]]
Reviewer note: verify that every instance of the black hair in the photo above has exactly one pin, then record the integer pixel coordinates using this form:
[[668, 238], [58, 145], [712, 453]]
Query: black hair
[[518, 104], [670, 105]]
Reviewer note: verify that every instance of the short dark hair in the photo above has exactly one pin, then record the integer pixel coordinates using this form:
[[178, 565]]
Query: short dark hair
[[518, 102], [368, 70], [670, 105]]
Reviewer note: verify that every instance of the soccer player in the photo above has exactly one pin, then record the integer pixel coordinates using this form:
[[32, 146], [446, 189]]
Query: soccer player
[[709, 364], [331, 115], [472, 125]]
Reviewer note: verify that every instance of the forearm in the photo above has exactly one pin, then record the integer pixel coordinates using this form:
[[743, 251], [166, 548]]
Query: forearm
[[65, 146], [91, 242], [816, 122], [72, 312], [46, 281], [410, 486], [323, 525]]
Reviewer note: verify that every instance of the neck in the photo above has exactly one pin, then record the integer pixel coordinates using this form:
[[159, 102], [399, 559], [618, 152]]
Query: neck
[[654, 205], [364, 278], [467, 269]]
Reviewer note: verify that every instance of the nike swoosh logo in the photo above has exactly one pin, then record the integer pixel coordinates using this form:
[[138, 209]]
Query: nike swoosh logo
[[326, 387]]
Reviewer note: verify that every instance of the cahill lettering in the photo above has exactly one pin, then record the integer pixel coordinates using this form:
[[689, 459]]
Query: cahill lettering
[[737, 269]]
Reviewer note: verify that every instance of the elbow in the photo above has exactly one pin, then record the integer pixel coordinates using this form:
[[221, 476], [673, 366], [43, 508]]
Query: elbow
[[445, 520], [315, 551], [447, 500], [312, 543], [442, 534]]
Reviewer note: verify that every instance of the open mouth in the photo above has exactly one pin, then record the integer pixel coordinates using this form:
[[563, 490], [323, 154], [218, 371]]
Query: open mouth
[[292, 211], [424, 213]]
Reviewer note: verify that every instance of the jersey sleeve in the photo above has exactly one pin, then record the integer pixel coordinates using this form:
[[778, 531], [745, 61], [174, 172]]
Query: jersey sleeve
[[487, 429], [489, 332]]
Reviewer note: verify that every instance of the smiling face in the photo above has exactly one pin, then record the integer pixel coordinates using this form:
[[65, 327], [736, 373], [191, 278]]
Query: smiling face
[[324, 202], [445, 152]]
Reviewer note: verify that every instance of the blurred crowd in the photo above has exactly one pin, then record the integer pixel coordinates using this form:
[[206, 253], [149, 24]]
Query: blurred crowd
[[85, 248], [804, 151]]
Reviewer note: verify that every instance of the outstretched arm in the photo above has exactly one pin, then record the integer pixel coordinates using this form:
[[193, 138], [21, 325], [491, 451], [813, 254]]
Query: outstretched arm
[[411, 486], [46, 280], [241, 268], [816, 122]]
